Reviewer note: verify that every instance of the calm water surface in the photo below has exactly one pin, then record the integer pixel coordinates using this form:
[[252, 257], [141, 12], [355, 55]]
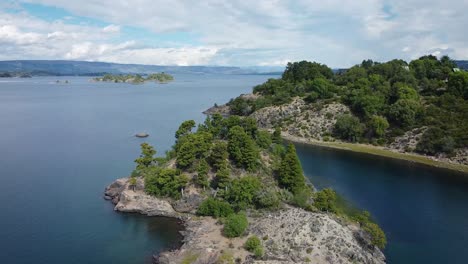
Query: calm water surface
[[423, 210], [60, 145]]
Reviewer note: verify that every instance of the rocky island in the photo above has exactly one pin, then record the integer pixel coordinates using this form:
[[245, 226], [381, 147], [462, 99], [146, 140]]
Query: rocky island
[[243, 198], [135, 78], [416, 111]]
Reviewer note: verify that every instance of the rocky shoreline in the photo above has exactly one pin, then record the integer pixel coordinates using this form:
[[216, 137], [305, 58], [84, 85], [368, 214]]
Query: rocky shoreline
[[289, 235]]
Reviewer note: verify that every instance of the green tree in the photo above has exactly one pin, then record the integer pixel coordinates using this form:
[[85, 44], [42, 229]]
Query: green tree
[[458, 84], [378, 237], [214, 207], [263, 139], [325, 200], [252, 243], [435, 140], [202, 174], [192, 147], [277, 136], [348, 127], [165, 183], [185, 128], [290, 173], [223, 177], [241, 192], [242, 149], [146, 157], [404, 112], [378, 125], [235, 225], [304, 70], [219, 155]]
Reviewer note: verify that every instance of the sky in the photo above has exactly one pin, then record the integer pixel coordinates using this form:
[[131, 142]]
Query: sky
[[339, 33]]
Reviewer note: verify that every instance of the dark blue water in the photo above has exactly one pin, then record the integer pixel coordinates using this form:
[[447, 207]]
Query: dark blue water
[[60, 145], [423, 210]]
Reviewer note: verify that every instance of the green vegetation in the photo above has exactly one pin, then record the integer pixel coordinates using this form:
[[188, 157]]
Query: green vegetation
[[328, 201], [290, 173], [386, 100], [237, 168], [235, 225], [165, 182], [135, 78], [254, 245], [215, 208]]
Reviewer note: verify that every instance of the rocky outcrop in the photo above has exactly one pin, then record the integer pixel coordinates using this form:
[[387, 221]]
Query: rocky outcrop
[[408, 141], [133, 199], [300, 119], [289, 235], [297, 236]]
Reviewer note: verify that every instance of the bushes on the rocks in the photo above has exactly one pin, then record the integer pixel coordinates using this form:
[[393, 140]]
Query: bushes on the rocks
[[241, 192], [165, 182], [254, 245], [325, 200], [235, 225], [378, 237], [215, 208]]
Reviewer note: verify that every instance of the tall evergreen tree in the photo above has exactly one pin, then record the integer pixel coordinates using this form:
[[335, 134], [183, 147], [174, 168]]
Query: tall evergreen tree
[[202, 174], [146, 157], [290, 171], [242, 148], [277, 136]]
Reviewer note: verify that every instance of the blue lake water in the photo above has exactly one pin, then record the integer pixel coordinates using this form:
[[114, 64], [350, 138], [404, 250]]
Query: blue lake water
[[61, 144]]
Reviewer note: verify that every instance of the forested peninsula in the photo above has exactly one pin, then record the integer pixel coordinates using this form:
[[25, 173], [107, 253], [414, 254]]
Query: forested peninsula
[[243, 198], [135, 78], [416, 111]]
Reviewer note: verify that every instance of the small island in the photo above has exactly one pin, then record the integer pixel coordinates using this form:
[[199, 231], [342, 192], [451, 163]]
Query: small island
[[135, 78], [243, 198]]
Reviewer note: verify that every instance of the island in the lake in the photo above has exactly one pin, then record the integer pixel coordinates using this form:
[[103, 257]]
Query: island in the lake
[[135, 78], [243, 198], [416, 111]]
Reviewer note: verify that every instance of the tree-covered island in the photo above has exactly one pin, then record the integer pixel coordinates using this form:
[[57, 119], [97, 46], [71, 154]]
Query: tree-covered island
[[135, 78], [419, 107], [244, 199]]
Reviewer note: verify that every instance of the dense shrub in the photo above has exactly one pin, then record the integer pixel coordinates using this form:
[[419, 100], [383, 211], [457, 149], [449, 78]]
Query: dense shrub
[[235, 225], [435, 140], [242, 192], [325, 200], [165, 182], [215, 208], [378, 237], [348, 127], [252, 243]]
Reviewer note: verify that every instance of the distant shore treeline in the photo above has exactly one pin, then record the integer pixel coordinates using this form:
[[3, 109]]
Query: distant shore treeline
[[86, 68]]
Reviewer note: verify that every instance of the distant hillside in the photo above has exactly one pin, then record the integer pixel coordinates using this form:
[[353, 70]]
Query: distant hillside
[[462, 64], [63, 67]]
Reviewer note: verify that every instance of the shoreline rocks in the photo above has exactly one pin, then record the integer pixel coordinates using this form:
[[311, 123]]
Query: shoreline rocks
[[289, 235]]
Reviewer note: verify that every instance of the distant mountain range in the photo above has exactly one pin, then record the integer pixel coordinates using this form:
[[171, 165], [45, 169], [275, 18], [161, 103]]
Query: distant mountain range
[[87, 68], [462, 64]]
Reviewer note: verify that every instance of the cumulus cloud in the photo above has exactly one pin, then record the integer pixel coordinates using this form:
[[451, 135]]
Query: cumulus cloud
[[337, 32]]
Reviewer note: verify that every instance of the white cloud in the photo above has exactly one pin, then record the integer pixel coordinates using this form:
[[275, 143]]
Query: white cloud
[[337, 32]]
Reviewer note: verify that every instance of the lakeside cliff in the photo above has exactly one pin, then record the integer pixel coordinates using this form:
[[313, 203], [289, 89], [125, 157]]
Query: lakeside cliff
[[289, 235]]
